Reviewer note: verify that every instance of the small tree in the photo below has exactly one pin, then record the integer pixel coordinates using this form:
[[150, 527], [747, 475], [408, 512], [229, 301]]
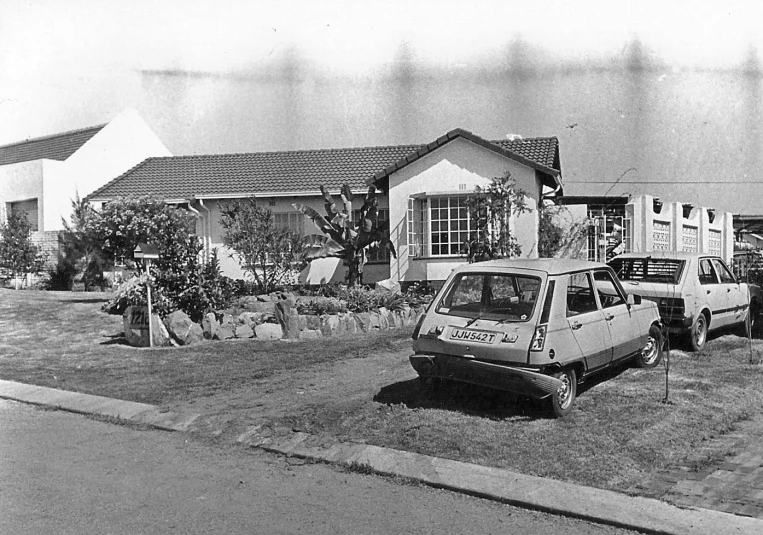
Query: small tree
[[81, 251], [490, 210], [344, 238], [17, 252], [558, 233], [269, 253], [125, 222]]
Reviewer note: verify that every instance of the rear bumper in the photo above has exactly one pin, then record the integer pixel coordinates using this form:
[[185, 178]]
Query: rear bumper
[[517, 380], [677, 325]]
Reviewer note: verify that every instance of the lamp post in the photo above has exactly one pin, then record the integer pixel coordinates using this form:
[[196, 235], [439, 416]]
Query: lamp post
[[147, 252]]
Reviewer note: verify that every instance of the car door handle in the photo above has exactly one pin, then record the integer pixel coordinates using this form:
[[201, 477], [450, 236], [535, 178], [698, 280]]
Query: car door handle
[[575, 326], [609, 317]]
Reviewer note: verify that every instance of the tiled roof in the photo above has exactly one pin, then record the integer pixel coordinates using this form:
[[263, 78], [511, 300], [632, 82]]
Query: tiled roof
[[55, 147], [541, 154], [289, 172]]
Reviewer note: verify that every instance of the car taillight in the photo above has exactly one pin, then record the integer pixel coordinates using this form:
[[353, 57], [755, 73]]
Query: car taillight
[[671, 307], [539, 338]]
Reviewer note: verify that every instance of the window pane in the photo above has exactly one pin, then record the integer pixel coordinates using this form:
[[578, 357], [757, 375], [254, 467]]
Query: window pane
[[491, 296], [449, 225], [580, 297], [609, 295]]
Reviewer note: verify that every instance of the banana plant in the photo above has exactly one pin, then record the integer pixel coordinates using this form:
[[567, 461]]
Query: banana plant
[[344, 238]]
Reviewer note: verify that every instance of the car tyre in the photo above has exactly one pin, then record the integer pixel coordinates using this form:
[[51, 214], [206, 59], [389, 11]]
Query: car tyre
[[698, 333], [651, 354], [563, 399]]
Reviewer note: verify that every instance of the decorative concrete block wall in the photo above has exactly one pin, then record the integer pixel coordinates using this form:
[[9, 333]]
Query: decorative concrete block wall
[[678, 226]]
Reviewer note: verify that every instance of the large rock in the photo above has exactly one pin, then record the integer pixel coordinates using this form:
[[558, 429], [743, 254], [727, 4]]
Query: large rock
[[182, 329], [363, 320], [310, 334], [244, 331], [225, 332], [348, 323], [329, 324], [268, 331], [209, 325], [313, 322], [288, 318], [135, 322]]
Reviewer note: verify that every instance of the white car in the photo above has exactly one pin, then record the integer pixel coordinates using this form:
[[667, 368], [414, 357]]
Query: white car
[[696, 293]]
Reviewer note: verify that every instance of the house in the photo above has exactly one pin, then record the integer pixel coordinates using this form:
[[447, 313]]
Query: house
[[40, 177], [423, 189], [619, 224]]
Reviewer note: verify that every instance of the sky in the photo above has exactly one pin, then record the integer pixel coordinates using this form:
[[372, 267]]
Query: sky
[[651, 96]]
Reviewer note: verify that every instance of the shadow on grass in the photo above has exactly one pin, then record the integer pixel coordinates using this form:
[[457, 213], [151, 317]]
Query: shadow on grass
[[85, 300], [480, 401], [115, 339], [463, 398]]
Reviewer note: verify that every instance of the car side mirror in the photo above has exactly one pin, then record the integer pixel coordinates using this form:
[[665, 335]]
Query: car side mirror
[[633, 299]]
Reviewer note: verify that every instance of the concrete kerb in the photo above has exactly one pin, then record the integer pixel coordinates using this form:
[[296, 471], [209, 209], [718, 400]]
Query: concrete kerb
[[142, 413], [557, 497]]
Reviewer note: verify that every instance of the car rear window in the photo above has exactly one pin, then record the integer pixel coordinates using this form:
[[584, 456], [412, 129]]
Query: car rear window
[[648, 269], [497, 296]]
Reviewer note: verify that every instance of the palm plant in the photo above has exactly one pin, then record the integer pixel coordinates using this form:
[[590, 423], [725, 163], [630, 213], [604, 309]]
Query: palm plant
[[344, 238]]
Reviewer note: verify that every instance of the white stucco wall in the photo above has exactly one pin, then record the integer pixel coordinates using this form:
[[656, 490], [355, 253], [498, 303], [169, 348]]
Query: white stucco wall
[[120, 145], [21, 182], [324, 271], [455, 168]]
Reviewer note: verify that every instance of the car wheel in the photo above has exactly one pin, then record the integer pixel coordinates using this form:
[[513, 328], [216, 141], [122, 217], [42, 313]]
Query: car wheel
[[651, 354], [563, 399], [698, 333]]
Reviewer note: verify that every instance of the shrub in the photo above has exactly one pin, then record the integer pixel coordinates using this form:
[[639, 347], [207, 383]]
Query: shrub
[[359, 298], [321, 305], [60, 278]]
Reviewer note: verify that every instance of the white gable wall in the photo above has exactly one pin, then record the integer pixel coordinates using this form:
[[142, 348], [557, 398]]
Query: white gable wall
[[455, 168], [21, 182], [117, 147]]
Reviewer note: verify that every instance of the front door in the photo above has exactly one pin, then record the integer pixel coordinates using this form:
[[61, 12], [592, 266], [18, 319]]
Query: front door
[[715, 293], [587, 323], [736, 300], [625, 339]]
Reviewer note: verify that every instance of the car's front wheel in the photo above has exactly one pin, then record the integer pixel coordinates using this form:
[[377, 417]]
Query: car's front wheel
[[698, 333], [651, 354], [563, 399]]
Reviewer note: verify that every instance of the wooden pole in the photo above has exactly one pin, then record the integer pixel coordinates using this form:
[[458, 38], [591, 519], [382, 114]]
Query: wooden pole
[[148, 295]]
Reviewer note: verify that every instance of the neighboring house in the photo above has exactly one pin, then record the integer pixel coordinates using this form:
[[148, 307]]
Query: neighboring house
[[644, 223], [41, 176], [423, 188]]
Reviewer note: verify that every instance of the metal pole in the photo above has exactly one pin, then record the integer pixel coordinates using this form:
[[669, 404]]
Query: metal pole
[[148, 295]]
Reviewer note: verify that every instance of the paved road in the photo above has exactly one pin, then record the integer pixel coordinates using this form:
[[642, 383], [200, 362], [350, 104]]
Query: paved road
[[62, 473]]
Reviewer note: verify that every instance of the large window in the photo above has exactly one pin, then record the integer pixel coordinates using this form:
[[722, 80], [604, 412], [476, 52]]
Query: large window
[[28, 209], [294, 221], [450, 225]]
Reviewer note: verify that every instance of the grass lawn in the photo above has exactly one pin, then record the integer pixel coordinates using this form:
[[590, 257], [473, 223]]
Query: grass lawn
[[362, 388]]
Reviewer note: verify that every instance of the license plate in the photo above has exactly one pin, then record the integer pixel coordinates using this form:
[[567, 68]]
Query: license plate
[[465, 335]]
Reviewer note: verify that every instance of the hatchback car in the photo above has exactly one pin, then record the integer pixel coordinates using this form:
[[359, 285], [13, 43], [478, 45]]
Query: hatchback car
[[533, 327], [696, 292]]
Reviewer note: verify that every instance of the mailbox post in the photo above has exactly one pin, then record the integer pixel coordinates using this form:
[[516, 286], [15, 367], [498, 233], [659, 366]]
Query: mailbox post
[[147, 252]]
